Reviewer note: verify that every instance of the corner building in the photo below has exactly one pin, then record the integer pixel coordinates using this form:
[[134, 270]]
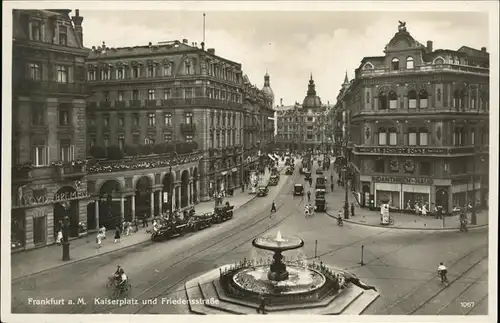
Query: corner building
[[418, 124], [48, 126]]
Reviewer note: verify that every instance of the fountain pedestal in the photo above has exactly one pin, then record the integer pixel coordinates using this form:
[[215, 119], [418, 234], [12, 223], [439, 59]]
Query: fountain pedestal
[[277, 270]]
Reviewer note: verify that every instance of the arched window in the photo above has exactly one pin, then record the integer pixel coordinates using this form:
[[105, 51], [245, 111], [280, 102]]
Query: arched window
[[412, 137], [473, 100], [393, 100], [382, 101], [473, 136], [409, 63], [438, 95], [424, 136], [395, 64], [439, 61], [382, 136], [423, 102], [393, 136], [412, 99], [458, 99]]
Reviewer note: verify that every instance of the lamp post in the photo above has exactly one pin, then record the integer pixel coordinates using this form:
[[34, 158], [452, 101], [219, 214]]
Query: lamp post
[[65, 255], [346, 183], [473, 218], [171, 190]]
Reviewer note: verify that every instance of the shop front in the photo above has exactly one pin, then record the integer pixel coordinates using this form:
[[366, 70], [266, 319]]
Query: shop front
[[18, 229], [462, 193], [401, 191]]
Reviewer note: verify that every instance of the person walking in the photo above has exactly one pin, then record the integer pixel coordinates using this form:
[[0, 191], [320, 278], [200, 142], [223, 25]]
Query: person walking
[[98, 240], [117, 234], [352, 209], [273, 207], [331, 186], [262, 304]]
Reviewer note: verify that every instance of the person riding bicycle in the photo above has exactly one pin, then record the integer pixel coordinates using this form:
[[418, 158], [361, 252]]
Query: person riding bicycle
[[442, 271]]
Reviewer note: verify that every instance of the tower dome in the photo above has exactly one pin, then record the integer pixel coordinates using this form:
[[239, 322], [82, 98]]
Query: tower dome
[[267, 87], [311, 100]]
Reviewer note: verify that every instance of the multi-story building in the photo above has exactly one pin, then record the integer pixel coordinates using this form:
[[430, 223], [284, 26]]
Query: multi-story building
[[152, 102], [303, 126], [418, 124], [48, 126]]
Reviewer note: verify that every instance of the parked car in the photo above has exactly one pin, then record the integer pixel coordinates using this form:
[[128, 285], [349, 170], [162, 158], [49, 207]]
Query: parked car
[[274, 180], [263, 191], [223, 213], [298, 189], [289, 170], [320, 204]]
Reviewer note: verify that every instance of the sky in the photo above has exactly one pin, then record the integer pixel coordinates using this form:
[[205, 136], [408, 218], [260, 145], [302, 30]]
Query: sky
[[290, 45]]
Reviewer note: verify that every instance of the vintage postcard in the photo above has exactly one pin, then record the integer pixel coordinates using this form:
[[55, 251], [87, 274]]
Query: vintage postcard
[[284, 161]]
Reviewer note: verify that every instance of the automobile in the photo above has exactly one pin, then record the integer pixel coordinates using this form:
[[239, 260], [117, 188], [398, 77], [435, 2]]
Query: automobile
[[198, 222], [169, 229], [262, 191], [223, 213], [273, 180], [320, 204], [319, 171], [320, 182], [307, 174], [320, 193], [298, 189], [289, 170]]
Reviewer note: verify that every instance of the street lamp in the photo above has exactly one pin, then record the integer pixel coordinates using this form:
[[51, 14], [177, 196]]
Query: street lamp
[[346, 183], [473, 219], [171, 190], [65, 256]]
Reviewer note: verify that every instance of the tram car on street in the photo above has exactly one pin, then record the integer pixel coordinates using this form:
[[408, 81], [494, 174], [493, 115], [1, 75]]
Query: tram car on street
[[320, 204], [320, 182], [222, 213]]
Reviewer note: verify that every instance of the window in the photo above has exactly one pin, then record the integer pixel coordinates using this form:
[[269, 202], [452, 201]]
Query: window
[[409, 63], [91, 120], [106, 120], [458, 98], [135, 95], [135, 119], [151, 94], [473, 100], [473, 137], [67, 151], [63, 117], [309, 136], [310, 119], [382, 101], [168, 119], [166, 94], [425, 168], [424, 136], [120, 96], [393, 101], [438, 96], [439, 61], [412, 99], [395, 64], [151, 71], [379, 165], [189, 138], [63, 35], [187, 65], [35, 72], [188, 93], [36, 30], [121, 120], [367, 97], [62, 74], [37, 115], [382, 137], [106, 96], [135, 71], [39, 230], [120, 73], [167, 70], [211, 140], [189, 118], [135, 139], [393, 137], [151, 119], [91, 75], [105, 74], [121, 142], [167, 137], [412, 137], [40, 153], [106, 141], [149, 141], [423, 101], [92, 142]]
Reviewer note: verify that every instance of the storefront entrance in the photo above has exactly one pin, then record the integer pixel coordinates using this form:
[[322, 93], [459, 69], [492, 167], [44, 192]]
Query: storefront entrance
[[143, 196], [184, 189], [109, 209], [63, 209], [18, 229]]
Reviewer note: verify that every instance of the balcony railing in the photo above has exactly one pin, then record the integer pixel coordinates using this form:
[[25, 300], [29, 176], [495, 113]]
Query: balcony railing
[[188, 128], [70, 171], [200, 102], [120, 104], [52, 87], [151, 103], [413, 150], [426, 69]]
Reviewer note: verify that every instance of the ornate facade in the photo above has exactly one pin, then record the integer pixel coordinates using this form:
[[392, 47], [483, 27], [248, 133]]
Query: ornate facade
[[48, 121], [417, 123]]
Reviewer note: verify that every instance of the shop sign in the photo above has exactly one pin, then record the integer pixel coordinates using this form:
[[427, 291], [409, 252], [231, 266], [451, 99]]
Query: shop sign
[[403, 150], [403, 180], [61, 197]]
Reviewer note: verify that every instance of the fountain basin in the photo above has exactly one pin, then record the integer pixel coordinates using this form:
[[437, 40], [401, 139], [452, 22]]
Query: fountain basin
[[300, 280], [282, 244]]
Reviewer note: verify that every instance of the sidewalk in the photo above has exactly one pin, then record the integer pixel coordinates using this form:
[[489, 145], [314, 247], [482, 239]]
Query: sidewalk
[[363, 216]]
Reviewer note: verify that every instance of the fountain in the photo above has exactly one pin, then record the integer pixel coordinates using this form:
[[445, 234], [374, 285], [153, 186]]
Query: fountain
[[287, 285]]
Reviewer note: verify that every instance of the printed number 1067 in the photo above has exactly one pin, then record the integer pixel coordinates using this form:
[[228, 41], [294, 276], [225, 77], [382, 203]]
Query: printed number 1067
[[467, 304]]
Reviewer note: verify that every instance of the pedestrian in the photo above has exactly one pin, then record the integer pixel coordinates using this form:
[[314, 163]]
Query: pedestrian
[[99, 240], [352, 209], [59, 237], [117, 235], [273, 207], [331, 186], [103, 232], [262, 303]]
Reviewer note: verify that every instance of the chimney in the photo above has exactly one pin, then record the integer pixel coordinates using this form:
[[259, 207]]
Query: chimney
[[77, 21], [429, 46], [202, 46], [281, 101], [184, 41], [211, 51], [483, 49]]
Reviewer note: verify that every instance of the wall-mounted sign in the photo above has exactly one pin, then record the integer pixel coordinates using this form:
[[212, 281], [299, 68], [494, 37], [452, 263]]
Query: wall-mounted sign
[[403, 180], [57, 198], [414, 150]]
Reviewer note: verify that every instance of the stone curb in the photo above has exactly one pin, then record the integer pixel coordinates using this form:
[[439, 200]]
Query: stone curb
[[403, 228], [103, 253]]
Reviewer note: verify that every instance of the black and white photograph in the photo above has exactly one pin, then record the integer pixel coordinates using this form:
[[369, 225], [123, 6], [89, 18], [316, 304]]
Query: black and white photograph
[[284, 160]]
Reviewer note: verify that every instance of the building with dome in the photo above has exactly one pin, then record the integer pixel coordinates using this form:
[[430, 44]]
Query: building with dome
[[298, 125], [417, 125]]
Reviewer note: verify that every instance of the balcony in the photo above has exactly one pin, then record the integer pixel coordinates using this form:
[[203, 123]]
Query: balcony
[[151, 103], [71, 171], [441, 68], [46, 87], [203, 102], [135, 104], [188, 128], [120, 104], [413, 150], [104, 104]]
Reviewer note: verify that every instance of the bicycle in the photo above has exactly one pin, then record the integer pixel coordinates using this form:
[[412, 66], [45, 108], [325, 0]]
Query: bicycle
[[111, 282], [121, 289]]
